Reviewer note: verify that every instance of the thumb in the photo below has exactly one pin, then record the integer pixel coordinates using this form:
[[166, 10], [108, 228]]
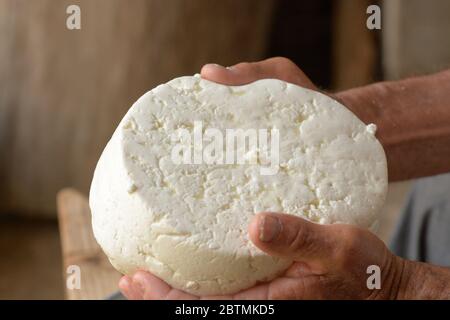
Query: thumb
[[291, 237]]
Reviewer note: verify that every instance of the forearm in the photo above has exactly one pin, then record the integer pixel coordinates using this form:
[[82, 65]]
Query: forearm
[[423, 281], [413, 120]]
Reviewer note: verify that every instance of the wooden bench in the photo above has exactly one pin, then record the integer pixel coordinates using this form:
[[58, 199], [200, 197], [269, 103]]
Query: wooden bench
[[98, 278]]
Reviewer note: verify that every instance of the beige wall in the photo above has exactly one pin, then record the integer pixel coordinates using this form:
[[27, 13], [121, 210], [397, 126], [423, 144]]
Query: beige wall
[[416, 37], [63, 92]]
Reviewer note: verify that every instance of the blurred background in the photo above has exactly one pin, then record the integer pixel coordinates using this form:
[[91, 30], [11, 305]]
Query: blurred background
[[63, 92]]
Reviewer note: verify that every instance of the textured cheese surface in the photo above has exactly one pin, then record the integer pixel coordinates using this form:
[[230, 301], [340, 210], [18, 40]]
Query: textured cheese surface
[[187, 224]]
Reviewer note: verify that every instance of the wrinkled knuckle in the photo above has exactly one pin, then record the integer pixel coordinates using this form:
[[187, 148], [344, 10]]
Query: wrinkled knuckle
[[299, 239], [352, 240], [350, 246]]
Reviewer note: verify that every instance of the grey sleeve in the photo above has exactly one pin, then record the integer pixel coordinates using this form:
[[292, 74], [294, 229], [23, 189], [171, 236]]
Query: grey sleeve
[[423, 231]]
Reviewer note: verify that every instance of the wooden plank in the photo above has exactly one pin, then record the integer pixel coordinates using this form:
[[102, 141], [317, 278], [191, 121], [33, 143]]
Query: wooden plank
[[98, 277], [355, 48]]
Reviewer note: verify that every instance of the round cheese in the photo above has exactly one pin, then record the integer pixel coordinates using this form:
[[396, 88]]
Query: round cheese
[[193, 161]]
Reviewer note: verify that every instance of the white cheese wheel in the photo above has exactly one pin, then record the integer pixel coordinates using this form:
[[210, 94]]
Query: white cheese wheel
[[187, 223]]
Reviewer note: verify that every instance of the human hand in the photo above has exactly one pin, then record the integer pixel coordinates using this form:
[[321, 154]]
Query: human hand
[[330, 262]]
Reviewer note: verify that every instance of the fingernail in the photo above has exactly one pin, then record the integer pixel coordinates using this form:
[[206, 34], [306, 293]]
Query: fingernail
[[125, 284], [269, 228]]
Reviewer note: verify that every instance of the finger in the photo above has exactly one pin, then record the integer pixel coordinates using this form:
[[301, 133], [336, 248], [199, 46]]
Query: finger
[[217, 73], [243, 73], [156, 289], [282, 288], [153, 288], [126, 287], [263, 291], [273, 68], [258, 292], [288, 236]]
